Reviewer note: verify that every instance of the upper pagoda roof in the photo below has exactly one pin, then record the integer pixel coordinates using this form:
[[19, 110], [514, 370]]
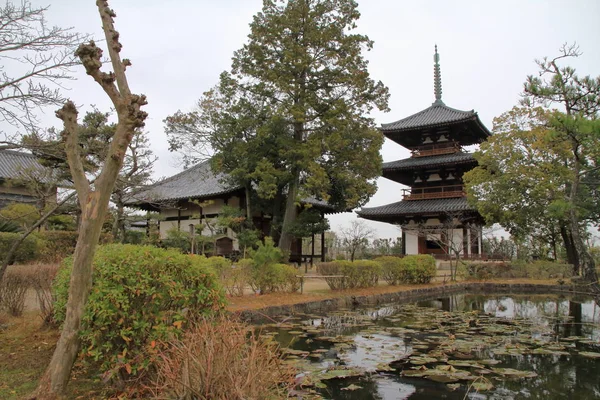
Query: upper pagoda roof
[[429, 161], [458, 125]]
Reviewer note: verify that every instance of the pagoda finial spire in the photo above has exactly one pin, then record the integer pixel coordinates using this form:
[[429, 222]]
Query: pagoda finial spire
[[437, 78]]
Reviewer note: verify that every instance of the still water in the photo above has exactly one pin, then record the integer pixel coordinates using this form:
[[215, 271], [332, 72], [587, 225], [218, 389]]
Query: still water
[[457, 347]]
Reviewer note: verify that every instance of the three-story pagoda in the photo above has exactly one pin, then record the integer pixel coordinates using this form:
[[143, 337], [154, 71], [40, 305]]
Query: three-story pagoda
[[434, 213]]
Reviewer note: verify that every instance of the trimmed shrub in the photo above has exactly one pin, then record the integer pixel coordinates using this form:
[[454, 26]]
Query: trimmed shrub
[[28, 251], [518, 269], [417, 269], [269, 278], [356, 274], [391, 269], [141, 296], [134, 237], [333, 268]]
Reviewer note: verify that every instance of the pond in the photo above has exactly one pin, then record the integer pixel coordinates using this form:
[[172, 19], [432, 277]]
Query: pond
[[457, 347]]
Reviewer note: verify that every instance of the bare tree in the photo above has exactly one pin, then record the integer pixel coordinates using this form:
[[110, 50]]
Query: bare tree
[[355, 236], [35, 58], [93, 199]]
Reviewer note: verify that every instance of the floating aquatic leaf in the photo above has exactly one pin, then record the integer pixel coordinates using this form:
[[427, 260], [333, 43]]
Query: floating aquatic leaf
[[352, 387], [482, 386], [453, 386], [514, 373]]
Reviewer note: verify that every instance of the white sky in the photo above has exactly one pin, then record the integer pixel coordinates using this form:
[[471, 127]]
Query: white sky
[[487, 48]]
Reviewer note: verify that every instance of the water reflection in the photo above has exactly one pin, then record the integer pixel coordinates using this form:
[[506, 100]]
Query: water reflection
[[377, 336]]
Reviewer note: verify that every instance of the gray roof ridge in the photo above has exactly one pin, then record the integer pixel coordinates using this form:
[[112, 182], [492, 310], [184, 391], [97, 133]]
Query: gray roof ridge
[[469, 114]]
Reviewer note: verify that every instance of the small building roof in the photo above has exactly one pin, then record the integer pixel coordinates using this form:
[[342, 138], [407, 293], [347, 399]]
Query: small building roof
[[197, 182], [404, 209], [20, 165]]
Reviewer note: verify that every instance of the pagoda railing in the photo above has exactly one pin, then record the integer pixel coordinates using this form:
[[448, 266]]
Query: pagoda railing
[[435, 149], [434, 192]]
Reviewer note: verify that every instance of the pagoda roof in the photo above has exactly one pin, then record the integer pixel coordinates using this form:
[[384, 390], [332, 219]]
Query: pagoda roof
[[404, 209], [429, 161], [407, 131], [197, 182]]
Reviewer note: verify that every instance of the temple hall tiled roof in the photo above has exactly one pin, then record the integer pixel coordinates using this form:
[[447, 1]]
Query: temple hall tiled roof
[[429, 161], [19, 165], [405, 208], [197, 182], [437, 115]]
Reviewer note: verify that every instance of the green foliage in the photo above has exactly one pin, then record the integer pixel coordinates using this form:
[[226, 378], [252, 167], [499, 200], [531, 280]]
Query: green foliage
[[141, 297], [62, 223], [391, 269], [22, 214], [237, 277], [309, 222], [28, 251], [265, 271], [177, 239], [56, 245], [134, 237], [283, 112], [10, 227], [517, 269], [352, 274], [418, 269]]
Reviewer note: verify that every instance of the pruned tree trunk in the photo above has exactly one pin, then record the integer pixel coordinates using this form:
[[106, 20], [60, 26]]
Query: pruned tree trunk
[[93, 200], [567, 238]]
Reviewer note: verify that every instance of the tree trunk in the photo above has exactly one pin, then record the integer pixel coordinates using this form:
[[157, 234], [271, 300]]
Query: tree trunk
[[570, 248], [59, 371], [289, 216]]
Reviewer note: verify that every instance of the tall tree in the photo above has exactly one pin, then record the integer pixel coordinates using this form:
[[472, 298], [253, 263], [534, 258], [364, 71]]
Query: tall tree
[[93, 199], [303, 86], [35, 58], [557, 154]]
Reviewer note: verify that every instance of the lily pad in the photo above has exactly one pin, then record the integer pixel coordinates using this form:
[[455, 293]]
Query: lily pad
[[589, 354], [514, 373], [482, 386], [352, 387]]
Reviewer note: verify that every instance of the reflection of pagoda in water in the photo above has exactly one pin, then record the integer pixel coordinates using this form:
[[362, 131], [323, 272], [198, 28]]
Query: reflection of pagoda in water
[[434, 210]]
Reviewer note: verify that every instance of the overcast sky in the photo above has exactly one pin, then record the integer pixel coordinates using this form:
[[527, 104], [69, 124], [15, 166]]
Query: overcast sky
[[487, 48]]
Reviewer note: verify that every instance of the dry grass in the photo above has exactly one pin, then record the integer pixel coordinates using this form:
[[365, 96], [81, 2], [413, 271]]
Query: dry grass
[[220, 358]]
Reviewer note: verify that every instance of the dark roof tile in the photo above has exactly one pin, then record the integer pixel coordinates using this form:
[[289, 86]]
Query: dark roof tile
[[19, 165], [429, 161], [415, 207], [437, 114]]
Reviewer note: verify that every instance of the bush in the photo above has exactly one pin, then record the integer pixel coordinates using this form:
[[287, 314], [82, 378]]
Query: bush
[[219, 359], [518, 269], [141, 295], [418, 269], [134, 237], [391, 269], [236, 278], [57, 245], [13, 289], [28, 251], [177, 239], [356, 274]]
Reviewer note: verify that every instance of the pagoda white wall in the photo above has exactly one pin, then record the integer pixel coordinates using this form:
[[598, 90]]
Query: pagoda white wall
[[412, 243]]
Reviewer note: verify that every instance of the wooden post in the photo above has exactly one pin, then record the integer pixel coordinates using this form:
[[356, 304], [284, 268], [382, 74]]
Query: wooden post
[[312, 256], [322, 240], [179, 219]]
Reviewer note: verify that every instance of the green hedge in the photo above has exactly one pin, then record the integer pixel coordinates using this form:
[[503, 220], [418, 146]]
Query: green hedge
[[391, 269], [28, 251], [354, 274], [141, 296], [517, 269], [417, 269]]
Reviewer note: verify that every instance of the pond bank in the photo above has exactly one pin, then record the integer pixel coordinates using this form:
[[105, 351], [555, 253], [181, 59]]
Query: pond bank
[[358, 298]]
